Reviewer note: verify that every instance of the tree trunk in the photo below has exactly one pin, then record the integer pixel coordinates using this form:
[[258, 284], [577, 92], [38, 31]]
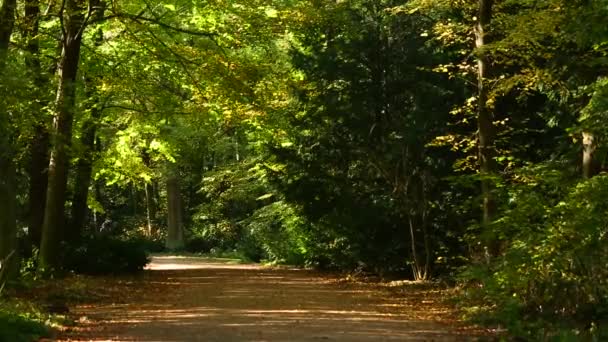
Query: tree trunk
[[8, 215], [54, 215], [175, 234], [38, 165], [425, 227], [83, 179], [85, 163], [38, 146], [150, 198], [485, 124], [150, 209], [416, 269], [589, 146], [97, 187], [7, 23], [8, 209]]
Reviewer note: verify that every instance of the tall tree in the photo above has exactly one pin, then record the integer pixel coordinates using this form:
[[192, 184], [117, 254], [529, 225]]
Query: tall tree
[[38, 146], [84, 167], [73, 18], [175, 232], [8, 227], [485, 125], [150, 200]]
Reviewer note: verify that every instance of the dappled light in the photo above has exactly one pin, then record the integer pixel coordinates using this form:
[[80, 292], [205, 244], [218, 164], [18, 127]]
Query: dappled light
[[417, 149], [190, 299]]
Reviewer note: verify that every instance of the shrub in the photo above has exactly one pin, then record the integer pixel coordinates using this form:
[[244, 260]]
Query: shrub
[[274, 233], [154, 244], [17, 327], [198, 244], [106, 255], [552, 280]]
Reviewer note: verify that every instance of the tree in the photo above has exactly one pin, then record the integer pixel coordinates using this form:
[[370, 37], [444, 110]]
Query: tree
[[38, 146], [84, 167], [485, 123], [8, 228], [73, 17], [175, 230]]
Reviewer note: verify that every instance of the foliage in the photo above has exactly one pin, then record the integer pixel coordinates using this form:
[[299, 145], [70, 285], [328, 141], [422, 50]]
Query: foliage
[[551, 278], [20, 327], [150, 244], [106, 255], [276, 232], [342, 134], [240, 211], [356, 150]]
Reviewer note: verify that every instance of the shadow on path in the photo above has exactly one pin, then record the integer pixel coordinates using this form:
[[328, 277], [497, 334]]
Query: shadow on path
[[196, 299]]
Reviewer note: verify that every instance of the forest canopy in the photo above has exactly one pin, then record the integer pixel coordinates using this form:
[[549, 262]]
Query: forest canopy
[[432, 139]]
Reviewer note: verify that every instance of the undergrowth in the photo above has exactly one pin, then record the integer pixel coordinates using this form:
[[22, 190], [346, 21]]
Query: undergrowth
[[21, 322]]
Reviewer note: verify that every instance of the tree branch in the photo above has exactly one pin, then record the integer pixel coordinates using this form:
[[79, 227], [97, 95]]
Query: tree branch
[[141, 17], [48, 8], [61, 10]]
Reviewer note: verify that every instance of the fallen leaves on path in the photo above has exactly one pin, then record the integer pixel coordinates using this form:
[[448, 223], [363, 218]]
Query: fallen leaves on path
[[195, 299]]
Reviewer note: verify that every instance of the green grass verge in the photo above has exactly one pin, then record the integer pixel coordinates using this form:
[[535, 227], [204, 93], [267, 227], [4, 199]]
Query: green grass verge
[[230, 257]]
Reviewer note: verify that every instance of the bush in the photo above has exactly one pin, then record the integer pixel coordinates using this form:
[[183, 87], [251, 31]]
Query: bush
[[106, 255], [154, 244], [148, 245], [274, 232], [552, 280], [198, 244], [205, 236], [15, 327]]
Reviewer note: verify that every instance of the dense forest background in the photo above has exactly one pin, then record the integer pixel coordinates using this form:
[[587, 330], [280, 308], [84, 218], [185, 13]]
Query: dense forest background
[[433, 139]]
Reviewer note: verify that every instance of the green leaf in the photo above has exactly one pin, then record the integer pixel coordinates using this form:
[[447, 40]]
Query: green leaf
[[263, 197]]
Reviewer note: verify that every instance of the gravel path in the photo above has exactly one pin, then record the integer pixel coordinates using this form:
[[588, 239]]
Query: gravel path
[[197, 299]]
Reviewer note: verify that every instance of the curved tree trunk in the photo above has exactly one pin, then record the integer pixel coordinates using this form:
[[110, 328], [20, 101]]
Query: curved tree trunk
[[54, 215]]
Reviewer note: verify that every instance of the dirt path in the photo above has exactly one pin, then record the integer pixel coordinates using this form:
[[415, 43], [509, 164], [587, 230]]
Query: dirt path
[[195, 299]]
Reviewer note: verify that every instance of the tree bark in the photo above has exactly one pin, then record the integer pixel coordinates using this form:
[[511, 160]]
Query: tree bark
[[7, 23], [416, 267], [150, 198], [85, 163], [84, 171], [8, 209], [150, 209], [175, 234], [8, 215], [38, 146], [54, 215], [38, 166], [589, 146], [485, 123]]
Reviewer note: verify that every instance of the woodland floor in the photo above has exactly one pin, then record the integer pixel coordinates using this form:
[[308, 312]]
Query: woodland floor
[[198, 299]]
